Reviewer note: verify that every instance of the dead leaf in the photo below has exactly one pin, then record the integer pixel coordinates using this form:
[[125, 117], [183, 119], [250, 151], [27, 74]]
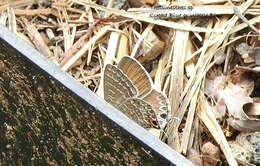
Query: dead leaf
[[234, 97]]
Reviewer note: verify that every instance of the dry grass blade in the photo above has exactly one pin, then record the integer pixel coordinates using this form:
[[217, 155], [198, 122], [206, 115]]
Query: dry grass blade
[[189, 122], [244, 25], [11, 20], [164, 64], [189, 67], [66, 29], [123, 48], [203, 62], [200, 11], [74, 28], [3, 18], [176, 88], [164, 23], [141, 38], [207, 117], [112, 48], [195, 81], [14, 4]]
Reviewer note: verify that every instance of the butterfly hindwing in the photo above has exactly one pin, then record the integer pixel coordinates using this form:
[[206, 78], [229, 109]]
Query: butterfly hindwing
[[139, 111], [160, 105]]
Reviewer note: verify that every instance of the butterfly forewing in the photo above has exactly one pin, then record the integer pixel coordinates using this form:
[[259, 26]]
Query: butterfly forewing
[[117, 87], [137, 74], [139, 111], [160, 105]]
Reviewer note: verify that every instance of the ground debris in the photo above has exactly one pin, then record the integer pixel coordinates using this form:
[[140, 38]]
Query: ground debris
[[208, 70]]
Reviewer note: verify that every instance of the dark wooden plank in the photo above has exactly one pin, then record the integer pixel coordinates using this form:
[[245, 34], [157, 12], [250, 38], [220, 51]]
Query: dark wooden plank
[[48, 118]]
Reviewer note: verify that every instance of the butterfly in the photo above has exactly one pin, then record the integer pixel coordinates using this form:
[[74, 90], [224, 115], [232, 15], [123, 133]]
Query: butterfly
[[128, 87]]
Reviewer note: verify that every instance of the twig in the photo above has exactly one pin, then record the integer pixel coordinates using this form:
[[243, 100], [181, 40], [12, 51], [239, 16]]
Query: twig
[[33, 12], [78, 22], [227, 60], [68, 54], [36, 37], [237, 12]]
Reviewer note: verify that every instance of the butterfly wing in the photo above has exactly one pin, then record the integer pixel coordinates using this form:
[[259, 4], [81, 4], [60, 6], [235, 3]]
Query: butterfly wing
[[120, 91], [137, 74], [140, 111], [117, 87], [161, 106]]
